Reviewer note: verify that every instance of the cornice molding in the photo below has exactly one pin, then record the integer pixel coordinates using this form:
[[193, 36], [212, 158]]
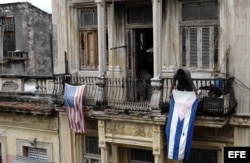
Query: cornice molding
[[240, 120]]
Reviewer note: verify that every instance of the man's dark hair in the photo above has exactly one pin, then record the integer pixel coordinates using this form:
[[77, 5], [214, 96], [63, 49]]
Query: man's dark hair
[[180, 74]]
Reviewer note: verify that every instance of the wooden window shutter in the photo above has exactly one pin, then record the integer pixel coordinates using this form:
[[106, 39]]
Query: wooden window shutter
[[37, 153], [206, 44], [90, 58], [193, 47]]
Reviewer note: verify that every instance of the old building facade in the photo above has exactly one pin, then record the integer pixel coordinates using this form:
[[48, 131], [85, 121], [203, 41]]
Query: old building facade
[[109, 44], [28, 121]]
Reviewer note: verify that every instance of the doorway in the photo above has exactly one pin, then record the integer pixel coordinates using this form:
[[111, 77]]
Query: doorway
[[140, 61], [140, 53]]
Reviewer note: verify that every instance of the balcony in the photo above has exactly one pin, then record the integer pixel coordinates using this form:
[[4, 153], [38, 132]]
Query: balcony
[[133, 96], [27, 94], [115, 96]]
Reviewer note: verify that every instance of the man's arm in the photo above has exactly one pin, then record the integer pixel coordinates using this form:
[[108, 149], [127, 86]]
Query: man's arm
[[172, 87], [195, 90]]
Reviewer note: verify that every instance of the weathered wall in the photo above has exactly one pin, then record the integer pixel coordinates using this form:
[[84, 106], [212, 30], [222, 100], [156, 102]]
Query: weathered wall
[[239, 57], [27, 128], [33, 34]]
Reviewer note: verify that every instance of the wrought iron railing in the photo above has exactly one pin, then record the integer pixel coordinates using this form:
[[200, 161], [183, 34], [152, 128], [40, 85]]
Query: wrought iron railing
[[119, 93], [125, 94], [216, 95]]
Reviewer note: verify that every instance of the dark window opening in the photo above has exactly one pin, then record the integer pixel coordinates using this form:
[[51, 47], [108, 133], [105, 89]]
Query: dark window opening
[[140, 155], [202, 156], [91, 145], [139, 15], [144, 42], [200, 11], [7, 25]]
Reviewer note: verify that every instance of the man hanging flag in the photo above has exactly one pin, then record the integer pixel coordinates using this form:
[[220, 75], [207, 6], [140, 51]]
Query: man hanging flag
[[73, 97], [180, 124]]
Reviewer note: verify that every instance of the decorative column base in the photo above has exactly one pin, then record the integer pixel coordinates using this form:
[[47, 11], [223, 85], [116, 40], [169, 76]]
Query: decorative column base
[[156, 95], [100, 94]]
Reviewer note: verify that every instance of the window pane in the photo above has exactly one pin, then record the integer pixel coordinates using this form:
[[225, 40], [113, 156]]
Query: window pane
[[88, 17], [190, 11], [141, 155], [147, 16], [139, 15], [91, 145], [208, 10], [200, 11], [202, 156]]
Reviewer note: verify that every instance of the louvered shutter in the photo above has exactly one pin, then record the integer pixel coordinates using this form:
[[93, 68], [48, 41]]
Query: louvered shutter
[[206, 46], [38, 153], [193, 47]]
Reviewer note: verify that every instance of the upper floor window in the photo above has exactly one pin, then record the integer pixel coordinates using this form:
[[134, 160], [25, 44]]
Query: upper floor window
[[199, 34], [7, 35], [88, 38]]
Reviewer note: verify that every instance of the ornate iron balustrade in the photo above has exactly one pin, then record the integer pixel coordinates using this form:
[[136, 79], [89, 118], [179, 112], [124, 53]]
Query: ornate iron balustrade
[[118, 93], [125, 94], [216, 95]]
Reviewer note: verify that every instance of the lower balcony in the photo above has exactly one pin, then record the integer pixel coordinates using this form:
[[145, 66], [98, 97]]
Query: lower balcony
[[133, 97]]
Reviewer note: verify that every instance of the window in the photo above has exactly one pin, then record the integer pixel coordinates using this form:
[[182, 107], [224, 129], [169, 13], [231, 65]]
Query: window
[[141, 156], [33, 151], [88, 38], [92, 152], [7, 25], [199, 34], [202, 156], [139, 15]]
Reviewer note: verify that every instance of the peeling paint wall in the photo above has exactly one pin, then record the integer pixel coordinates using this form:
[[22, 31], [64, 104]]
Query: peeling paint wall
[[33, 34]]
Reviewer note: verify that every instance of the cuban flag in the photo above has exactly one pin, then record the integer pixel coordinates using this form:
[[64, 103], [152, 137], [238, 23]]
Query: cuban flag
[[73, 97], [180, 124]]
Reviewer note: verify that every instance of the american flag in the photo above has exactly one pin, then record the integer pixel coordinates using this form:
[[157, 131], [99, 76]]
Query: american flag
[[73, 97]]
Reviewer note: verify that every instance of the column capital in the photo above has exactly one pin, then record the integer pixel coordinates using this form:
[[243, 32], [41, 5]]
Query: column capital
[[99, 1]]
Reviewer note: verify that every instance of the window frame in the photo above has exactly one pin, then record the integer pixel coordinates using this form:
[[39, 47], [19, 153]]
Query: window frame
[[213, 42], [88, 29], [23, 143], [131, 160], [219, 147], [91, 156]]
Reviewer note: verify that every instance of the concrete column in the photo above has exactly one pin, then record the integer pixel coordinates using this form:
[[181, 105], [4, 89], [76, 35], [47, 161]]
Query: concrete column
[[102, 142], [157, 28], [115, 153], [101, 17], [157, 144], [65, 139], [59, 22]]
